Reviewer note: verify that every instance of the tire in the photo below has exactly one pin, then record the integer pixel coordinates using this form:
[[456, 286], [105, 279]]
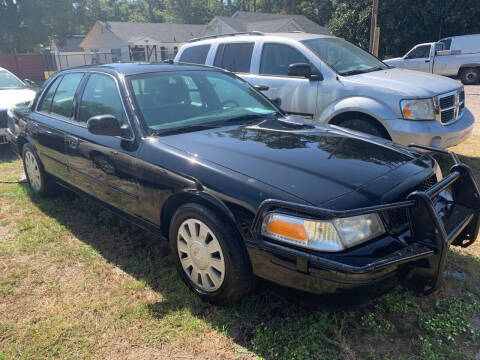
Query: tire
[[40, 182], [470, 76], [200, 242], [365, 126]]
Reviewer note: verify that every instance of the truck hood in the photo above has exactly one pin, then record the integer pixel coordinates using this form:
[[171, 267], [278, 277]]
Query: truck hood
[[315, 165], [407, 83], [12, 97]]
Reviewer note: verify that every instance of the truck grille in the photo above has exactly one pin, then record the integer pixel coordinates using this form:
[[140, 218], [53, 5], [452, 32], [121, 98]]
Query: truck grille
[[397, 220], [3, 119], [451, 106], [447, 101]]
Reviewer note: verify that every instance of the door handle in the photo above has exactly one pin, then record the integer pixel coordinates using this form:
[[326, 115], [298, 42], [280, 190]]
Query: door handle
[[261, 87], [427, 61], [72, 142]]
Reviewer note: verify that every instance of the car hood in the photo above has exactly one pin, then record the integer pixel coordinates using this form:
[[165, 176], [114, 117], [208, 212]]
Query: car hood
[[12, 97], [405, 82], [315, 165]]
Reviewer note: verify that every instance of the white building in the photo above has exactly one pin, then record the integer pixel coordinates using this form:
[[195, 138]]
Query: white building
[[114, 41]]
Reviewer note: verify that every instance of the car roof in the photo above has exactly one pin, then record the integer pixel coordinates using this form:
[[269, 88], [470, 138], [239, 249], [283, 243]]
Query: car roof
[[134, 68], [294, 35]]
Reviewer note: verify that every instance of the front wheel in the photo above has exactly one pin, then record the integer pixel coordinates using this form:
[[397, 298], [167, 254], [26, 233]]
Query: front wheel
[[365, 126], [470, 76], [38, 179], [209, 254]]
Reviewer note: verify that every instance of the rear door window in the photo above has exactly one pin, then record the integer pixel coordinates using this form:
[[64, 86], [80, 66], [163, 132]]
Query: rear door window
[[195, 54], [235, 57], [62, 103], [46, 103], [276, 58]]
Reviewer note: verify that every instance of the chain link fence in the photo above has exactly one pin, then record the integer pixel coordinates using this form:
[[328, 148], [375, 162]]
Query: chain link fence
[[57, 62]]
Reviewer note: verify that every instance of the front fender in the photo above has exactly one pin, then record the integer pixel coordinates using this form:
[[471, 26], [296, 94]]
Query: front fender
[[360, 104]]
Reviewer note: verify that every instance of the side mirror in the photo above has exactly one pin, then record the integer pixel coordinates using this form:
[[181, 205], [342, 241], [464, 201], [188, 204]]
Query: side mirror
[[29, 82], [304, 70], [106, 125], [277, 101]]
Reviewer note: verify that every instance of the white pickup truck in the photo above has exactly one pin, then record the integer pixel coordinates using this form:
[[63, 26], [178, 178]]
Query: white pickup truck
[[453, 56]]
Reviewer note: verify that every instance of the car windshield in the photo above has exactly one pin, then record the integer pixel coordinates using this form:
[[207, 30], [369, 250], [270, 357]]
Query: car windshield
[[196, 99], [8, 81], [344, 57]]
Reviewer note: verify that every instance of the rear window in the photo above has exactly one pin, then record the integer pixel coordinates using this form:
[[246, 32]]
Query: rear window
[[446, 43], [195, 54], [234, 57]]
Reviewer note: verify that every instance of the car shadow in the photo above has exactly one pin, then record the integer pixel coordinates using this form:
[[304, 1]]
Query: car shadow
[[146, 257], [6, 154]]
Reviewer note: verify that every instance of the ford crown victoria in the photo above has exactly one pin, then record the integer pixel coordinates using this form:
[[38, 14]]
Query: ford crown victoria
[[239, 188]]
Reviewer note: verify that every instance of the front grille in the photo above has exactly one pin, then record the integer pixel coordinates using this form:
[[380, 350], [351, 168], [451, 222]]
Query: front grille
[[3, 139], [397, 220], [447, 101], [451, 106], [3, 119], [427, 183], [448, 115]]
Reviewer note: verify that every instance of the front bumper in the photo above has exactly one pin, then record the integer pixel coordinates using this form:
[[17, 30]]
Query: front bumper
[[418, 259], [431, 133]]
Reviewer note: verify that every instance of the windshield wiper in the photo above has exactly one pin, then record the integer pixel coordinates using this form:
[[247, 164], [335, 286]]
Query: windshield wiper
[[248, 118], [212, 124], [356, 72], [183, 129]]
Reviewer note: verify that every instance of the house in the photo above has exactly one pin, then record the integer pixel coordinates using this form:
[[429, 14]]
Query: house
[[67, 52], [243, 21], [114, 41]]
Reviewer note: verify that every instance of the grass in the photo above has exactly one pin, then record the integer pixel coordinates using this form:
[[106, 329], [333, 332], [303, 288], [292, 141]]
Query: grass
[[77, 282]]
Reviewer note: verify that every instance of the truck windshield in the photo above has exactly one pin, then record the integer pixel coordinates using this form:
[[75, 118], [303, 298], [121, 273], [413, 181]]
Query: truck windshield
[[8, 81], [344, 57]]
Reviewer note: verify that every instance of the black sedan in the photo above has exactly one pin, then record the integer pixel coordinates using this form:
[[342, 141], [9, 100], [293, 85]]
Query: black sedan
[[239, 188]]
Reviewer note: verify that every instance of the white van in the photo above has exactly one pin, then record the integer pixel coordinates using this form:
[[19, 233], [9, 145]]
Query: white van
[[332, 81]]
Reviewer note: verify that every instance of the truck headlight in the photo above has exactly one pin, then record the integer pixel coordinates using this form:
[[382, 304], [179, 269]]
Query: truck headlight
[[329, 235], [418, 109]]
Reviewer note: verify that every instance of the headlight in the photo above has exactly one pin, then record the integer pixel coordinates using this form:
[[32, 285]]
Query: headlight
[[330, 235], [420, 109]]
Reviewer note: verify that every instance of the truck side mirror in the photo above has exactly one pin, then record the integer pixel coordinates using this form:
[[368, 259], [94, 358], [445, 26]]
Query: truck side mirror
[[304, 70]]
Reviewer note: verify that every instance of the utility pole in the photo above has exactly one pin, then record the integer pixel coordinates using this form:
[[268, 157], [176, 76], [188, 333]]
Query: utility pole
[[374, 33]]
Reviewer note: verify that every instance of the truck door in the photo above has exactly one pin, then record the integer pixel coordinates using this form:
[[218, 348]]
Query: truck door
[[298, 95], [419, 58]]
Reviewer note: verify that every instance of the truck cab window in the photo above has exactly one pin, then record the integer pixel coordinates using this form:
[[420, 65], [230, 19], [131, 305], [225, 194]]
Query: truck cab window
[[276, 58], [420, 52]]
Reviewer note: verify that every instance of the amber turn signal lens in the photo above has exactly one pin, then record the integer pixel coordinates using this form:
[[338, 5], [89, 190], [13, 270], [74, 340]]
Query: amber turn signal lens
[[288, 229], [406, 111]]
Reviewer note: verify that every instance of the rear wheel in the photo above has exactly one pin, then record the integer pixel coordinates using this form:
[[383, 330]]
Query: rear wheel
[[209, 254], [470, 76], [38, 179], [366, 126]]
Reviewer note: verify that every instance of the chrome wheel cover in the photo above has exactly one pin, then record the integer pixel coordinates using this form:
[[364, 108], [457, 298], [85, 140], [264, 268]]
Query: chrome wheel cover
[[33, 171], [200, 255]]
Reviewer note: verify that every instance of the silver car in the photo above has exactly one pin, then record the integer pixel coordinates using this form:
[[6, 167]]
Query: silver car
[[332, 81], [12, 91]]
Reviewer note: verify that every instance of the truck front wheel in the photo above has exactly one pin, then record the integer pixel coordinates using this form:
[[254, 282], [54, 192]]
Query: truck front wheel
[[470, 76], [365, 125]]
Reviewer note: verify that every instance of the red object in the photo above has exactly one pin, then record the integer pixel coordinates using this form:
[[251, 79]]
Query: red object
[[25, 66]]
